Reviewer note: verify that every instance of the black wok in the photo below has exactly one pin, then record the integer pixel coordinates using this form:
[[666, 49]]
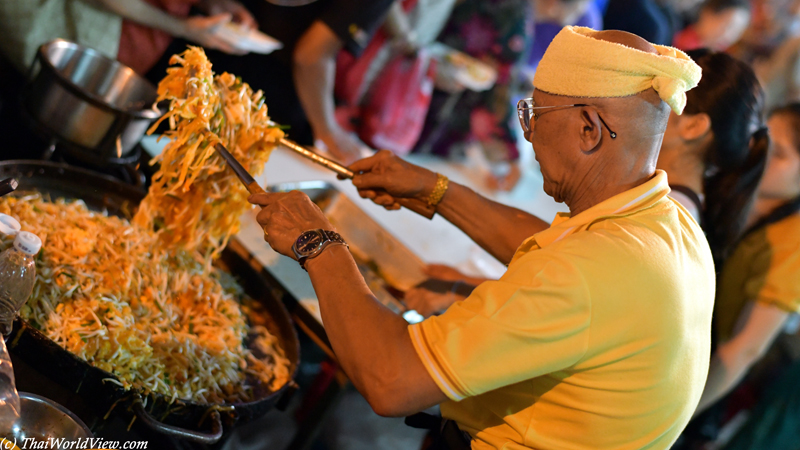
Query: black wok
[[181, 418]]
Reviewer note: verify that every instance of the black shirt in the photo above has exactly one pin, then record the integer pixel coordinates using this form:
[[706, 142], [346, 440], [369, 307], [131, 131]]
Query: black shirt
[[353, 21], [647, 19]]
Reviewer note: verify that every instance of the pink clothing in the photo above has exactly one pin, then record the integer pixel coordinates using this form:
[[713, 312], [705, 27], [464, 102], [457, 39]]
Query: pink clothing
[[688, 39], [140, 47]]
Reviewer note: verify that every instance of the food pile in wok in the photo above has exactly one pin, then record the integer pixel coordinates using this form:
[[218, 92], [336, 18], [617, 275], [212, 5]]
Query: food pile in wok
[[141, 299]]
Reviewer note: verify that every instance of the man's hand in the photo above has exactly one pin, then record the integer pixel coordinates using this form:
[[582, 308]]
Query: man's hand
[[385, 177], [505, 182], [206, 31], [285, 216]]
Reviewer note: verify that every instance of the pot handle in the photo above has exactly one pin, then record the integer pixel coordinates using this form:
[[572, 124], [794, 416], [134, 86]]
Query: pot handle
[[283, 401], [177, 432]]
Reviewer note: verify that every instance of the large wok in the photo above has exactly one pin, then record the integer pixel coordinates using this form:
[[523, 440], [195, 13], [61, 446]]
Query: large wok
[[182, 419]]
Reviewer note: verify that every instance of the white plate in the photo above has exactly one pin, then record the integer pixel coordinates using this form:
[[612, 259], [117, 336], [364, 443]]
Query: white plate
[[471, 73], [250, 40]]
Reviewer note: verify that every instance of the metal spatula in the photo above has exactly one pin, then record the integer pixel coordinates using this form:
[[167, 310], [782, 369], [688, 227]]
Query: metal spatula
[[417, 206]]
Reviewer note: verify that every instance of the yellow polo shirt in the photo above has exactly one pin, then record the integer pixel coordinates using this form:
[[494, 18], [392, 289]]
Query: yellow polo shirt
[[764, 268], [597, 337]]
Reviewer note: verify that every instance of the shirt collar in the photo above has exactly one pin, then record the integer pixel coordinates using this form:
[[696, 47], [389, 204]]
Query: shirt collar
[[620, 205]]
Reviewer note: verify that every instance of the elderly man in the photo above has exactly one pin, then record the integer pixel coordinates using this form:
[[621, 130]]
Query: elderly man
[[597, 336]]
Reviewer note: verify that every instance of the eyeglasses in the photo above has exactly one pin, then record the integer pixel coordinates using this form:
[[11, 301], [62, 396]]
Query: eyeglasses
[[526, 110]]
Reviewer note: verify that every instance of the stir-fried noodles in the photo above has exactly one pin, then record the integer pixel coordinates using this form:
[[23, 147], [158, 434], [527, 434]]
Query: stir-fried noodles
[[195, 201], [142, 300]]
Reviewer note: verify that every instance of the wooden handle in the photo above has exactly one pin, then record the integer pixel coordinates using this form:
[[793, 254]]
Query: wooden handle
[[254, 188], [419, 207]]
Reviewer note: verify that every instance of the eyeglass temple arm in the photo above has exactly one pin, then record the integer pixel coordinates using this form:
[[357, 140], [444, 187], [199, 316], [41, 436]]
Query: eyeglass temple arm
[[611, 132]]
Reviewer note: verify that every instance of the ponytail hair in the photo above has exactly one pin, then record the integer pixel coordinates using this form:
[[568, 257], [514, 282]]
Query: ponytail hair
[[731, 96]]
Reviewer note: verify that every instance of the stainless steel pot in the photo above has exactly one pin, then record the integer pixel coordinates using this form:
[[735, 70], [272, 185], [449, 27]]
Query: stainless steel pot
[[88, 100], [41, 419]]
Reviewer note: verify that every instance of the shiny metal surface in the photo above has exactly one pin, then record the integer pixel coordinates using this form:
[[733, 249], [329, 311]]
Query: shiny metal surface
[[42, 418], [421, 208], [235, 165], [317, 158], [88, 99], [383, 260]]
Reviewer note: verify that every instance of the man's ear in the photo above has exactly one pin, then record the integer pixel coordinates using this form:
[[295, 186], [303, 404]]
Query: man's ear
[[693, 126], [591, 129]]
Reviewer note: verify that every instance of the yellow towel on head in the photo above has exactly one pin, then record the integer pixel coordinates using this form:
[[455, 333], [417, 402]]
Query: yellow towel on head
[[578, 65]]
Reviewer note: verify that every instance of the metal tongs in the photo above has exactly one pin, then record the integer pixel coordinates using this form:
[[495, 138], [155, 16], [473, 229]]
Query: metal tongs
[[421, 208], [417, 206], [244, 176], [8, 185]]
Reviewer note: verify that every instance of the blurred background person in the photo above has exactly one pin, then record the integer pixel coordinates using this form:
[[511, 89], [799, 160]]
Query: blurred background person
[[384, 94], [550, 16], [137, 32], [714, 153], [460, 120], [150, 26], [757, 294], [655, 20], [25, 25], [719, 25], [497, 33], [772, 23], [780, 73], [772, 43], [298, 80]]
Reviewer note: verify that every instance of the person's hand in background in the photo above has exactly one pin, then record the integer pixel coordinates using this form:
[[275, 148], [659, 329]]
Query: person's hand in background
[[239, 14], [343, 145], [398, 27], [505, 182], [207, 32]]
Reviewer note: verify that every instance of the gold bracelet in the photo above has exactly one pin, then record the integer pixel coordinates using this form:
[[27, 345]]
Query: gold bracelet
[[438, 192]]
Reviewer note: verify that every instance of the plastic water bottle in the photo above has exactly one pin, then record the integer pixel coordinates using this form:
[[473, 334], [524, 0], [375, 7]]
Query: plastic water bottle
[[9, 397], [17, 275]]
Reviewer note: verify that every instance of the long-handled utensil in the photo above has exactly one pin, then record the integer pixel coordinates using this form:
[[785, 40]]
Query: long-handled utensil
[[417, 206], [8, 185], [241, 173]]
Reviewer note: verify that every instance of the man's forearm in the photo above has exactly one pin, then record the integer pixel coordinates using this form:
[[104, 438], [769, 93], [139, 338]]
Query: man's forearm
[[499, 229], [371, 343]]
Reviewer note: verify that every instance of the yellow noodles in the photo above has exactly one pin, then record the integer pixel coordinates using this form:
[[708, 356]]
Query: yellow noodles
[[109, 293], [142, 300], [195, 201]]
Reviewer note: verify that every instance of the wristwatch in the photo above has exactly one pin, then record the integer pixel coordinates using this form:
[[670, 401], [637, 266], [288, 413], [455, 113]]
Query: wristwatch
[[312, 242]]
